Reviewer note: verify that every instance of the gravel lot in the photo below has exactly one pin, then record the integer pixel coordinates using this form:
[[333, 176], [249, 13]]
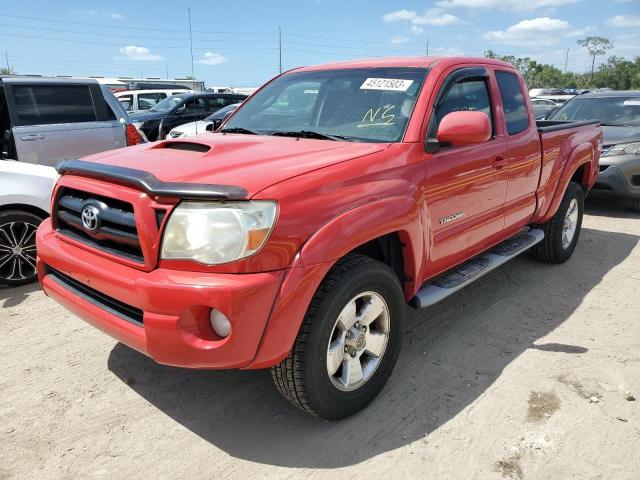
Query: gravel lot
[[530, 372]]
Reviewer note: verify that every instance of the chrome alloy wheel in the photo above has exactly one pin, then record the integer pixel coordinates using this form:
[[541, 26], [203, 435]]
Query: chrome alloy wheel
[[570, 224], [358, 341], [17, 250]]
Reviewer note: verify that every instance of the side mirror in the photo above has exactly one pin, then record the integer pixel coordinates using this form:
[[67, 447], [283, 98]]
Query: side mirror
[[216, 124], [464, 128]]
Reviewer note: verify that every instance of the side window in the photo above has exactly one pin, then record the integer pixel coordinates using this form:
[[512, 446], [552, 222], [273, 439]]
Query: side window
[[515, 109], [215, 103], [469, 95], [148, 100], [49, 104], [126, 101], [195, 104]]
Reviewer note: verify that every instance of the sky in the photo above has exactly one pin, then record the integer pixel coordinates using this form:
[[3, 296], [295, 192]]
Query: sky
[[236, 43]]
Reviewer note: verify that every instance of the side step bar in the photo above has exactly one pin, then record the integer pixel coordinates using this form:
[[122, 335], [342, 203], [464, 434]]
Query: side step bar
[[470, 271]]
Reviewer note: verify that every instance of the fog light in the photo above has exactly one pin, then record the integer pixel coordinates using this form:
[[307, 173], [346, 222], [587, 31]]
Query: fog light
[[220, 323]]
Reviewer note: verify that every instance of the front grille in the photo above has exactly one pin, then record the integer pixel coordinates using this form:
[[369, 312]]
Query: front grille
[[99, 299], [117, 233]]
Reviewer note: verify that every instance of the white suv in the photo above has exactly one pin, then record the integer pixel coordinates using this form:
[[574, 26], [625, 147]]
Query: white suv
[[134, 101]]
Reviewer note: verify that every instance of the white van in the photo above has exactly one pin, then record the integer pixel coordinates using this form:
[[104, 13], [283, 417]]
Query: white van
[[134, 101]]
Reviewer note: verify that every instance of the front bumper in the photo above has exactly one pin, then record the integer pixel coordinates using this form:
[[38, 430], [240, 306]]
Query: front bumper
[[618, 180], [174, 305]]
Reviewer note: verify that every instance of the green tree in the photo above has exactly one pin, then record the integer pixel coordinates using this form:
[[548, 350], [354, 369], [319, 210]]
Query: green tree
[[7, 71], [595, 46]]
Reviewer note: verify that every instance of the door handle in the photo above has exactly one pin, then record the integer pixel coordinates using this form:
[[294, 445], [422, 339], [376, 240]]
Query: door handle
[[500, 162], [31, 137]]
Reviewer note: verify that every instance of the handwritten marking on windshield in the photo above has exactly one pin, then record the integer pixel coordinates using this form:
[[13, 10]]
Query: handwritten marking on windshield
[[371, 118]]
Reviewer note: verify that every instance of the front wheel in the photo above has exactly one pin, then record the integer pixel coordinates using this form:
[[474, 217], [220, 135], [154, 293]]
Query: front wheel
[[561, 233], [18, 247], [348, 342]]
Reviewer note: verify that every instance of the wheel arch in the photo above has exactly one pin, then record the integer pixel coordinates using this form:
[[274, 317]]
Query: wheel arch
[[388, 229], [25, 208]]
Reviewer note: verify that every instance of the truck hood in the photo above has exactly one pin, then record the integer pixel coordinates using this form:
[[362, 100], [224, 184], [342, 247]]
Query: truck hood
[[253, 162]]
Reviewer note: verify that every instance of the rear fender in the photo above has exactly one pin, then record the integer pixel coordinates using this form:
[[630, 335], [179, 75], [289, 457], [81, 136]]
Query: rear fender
[[331, 242], [582, 155]]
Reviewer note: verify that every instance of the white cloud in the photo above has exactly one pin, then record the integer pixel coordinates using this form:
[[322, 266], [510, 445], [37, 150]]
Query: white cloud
[[432, 16], [97, 13], [211, 58], [624, 21], [416, 30], [505, 4], [399, 39], [133, 52], [399, 15], [533, 32]]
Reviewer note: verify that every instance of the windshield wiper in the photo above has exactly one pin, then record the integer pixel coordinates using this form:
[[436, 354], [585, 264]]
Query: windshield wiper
[[238, 130], [310, 134], [605, 124]]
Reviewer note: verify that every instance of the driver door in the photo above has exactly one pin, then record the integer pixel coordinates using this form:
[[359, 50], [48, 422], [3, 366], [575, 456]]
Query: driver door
[[466, 185]]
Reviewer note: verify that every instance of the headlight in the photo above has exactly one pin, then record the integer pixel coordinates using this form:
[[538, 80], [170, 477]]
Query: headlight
[[215, 233], [624, 149]]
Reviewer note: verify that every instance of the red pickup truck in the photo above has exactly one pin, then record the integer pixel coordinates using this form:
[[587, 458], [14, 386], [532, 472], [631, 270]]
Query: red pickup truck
[[295, 236]]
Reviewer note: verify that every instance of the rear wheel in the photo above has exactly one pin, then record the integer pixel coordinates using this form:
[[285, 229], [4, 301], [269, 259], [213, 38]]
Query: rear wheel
[[18, 247], [561, 233], [348, 343]]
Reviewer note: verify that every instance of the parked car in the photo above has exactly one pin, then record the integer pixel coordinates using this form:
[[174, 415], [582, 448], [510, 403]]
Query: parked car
[[619, 114], [293, 238], [543, 107], [25, 198], [211, 123], [134, 101], [177, 110], [43, 120]]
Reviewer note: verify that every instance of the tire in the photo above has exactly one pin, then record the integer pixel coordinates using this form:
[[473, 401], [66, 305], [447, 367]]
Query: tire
[[303, 378], [636, 205], [18, 247], [553, 249]]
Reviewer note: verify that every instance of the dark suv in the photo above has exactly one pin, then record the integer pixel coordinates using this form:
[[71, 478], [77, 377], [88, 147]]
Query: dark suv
[[155, 123]]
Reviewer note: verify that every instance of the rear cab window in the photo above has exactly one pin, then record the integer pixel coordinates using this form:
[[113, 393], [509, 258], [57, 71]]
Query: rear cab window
[[513, 102], [53, 104]]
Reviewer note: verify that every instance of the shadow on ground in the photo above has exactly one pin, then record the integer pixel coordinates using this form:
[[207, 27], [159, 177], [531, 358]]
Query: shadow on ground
[[603, 206], [452, 353], [11, 297]]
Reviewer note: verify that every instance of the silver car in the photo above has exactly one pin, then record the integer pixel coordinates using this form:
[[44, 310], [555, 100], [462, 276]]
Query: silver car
[[44, 120]]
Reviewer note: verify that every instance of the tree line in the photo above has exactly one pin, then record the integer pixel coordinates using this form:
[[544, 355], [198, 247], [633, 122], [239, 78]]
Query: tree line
[[617, 73]]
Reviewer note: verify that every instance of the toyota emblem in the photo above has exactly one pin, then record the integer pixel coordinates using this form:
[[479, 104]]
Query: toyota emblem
[[91, 218]]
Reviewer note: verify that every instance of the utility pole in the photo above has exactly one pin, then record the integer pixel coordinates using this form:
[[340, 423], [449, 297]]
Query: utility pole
[[6, 56], [280, 46], [166, 69], [566, 61], [428, 47]]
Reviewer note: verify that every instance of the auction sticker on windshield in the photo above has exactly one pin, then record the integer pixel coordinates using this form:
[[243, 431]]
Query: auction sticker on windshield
[[393, 84]]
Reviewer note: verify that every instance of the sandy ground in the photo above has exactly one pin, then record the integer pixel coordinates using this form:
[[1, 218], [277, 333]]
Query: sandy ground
[[528, 373]]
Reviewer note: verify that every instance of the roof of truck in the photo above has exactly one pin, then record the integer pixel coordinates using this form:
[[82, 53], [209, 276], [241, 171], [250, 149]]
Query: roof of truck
[[420, 62]]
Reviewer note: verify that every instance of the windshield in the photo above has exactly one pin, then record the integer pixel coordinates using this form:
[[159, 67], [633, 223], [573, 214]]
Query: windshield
[[170, 103], [608, 110], [367, 105]]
